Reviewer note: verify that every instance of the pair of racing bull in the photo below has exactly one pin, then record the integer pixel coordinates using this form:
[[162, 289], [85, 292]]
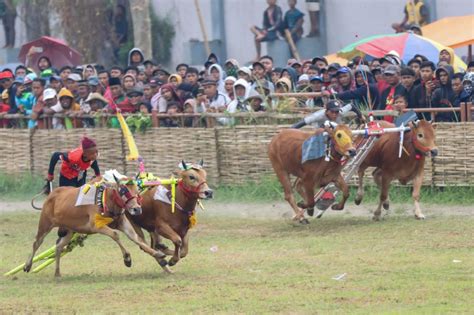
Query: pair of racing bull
[[125, 210], [285, 153]]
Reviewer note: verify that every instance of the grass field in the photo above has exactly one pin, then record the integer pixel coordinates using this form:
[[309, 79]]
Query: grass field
[[397, 266]]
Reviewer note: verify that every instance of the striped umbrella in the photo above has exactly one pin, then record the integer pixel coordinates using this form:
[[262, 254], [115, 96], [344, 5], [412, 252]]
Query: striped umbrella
[[407, 45]]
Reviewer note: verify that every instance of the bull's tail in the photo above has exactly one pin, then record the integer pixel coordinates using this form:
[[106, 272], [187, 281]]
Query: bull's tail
[[46, 190]]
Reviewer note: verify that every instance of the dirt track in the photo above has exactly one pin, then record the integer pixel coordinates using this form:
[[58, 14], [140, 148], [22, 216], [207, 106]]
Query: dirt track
[[282, 210]]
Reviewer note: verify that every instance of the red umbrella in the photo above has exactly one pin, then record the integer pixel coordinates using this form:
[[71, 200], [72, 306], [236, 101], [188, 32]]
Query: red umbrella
[[58, 52]]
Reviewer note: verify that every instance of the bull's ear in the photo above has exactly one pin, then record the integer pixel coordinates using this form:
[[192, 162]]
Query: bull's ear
[[416, 123], [201, 162], [434, 125]]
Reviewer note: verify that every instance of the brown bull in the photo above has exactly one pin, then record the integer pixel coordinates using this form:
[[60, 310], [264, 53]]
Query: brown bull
[[285, 153], [59, 210], [158, 219], [418, 142]]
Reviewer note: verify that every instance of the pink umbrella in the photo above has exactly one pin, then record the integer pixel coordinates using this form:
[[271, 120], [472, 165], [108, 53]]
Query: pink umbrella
[[57, 51]]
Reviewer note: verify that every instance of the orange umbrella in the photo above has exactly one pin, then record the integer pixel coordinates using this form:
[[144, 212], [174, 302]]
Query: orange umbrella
[[454, 32], [333, 58]]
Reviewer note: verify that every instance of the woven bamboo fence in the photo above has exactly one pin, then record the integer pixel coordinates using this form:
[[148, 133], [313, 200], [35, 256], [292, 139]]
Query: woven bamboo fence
[[231, 155]]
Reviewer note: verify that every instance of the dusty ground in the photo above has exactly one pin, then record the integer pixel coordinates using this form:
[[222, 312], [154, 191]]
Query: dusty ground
[[281, 209]]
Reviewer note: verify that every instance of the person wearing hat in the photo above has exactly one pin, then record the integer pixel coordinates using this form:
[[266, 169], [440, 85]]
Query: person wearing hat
[[255, 102], [53, 106], [316, 85], [332, 68], [263, 87], [94, 85], [303, 83], [244, 73], [135, 96], [364, 92], [162, 74], [345, 79], [295, 64], [231, 67], [333, 112], [71, 82], [392, 77], [217, 101], [96, 102], [55, 83], [320, 62], [74, 164], [119, 100], [24, 99]]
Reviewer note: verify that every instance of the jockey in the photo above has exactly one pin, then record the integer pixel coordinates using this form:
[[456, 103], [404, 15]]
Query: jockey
[[75, 164], [333, 112]]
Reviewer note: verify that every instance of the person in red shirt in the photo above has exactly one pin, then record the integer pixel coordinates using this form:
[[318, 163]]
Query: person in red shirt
[[75, 164], [119, 99]]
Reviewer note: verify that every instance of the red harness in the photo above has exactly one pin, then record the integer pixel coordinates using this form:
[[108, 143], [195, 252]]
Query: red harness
[[120, 198], [189, 191], [418, 145]]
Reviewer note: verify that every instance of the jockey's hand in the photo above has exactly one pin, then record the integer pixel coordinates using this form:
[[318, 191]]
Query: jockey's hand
[[47, 187], [49, 178]]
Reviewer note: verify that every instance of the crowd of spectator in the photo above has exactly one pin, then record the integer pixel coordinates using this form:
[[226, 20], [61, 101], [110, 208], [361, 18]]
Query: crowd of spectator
[[143, 87]]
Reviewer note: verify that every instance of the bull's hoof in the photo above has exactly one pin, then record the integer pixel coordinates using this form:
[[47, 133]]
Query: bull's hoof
[[172, 262], [358, 200], [127, 260], [57, 275], [304, 221], [419, 216], [163, 263], [301, 204], [310, 211], [27, 268], [386, 204], [376, 218], [337, 207]]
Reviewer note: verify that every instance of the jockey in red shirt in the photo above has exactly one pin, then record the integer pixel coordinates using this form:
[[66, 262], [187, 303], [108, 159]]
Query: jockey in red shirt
[[75, 164]]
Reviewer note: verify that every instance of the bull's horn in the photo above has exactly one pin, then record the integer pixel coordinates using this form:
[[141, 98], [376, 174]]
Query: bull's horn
[[330, 124], [201, 162], [184, 166]]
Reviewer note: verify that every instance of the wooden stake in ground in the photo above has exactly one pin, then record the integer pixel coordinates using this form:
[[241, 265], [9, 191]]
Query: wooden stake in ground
[[203, 28], [290, 41]]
